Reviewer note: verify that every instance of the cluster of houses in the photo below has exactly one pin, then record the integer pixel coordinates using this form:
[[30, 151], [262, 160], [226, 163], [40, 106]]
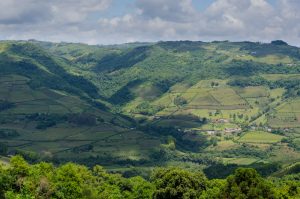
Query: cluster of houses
[[226, 131]]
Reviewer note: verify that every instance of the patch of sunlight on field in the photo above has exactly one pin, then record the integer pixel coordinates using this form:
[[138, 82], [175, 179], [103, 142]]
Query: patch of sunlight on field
[[227, 96], [223, 145], [275, 59], [132, 104], [179, 88], [260, 137], [278, 92], [253, 91], [287, 115], [240, 161], [165, 100]]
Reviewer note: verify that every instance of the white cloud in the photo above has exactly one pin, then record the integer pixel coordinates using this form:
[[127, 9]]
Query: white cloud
[[169, 10], [72, 11], [25, 11], [76, 20]]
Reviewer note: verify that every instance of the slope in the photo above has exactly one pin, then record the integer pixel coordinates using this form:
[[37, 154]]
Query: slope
[[49, 113]]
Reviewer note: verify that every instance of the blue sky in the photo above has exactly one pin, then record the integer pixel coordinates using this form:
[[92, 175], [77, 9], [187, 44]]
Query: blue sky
[[202, 4], [120, 21], [121, 7]]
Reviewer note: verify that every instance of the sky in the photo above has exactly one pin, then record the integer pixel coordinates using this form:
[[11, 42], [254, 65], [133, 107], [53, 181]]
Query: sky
[[123, 21]]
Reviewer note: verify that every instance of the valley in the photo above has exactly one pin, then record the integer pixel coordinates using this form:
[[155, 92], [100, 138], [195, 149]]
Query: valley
[[132, 107]]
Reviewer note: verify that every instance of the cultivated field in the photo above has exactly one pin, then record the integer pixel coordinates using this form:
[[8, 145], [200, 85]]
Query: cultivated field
[[260, 137]]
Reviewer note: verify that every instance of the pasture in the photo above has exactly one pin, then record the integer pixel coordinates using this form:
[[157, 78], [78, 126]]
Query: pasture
[[260, 137], [287, 115], [253, 92], [240, 161]]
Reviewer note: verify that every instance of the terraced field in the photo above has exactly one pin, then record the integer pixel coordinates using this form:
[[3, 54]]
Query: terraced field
[[203, 100], [65, 140], [287, 115]]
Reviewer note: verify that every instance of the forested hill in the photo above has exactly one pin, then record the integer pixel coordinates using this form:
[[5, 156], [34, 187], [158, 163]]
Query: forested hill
[[164, 64], [73, 181]]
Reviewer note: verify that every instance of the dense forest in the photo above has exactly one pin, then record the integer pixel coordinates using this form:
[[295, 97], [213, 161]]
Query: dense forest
[[20, 180]]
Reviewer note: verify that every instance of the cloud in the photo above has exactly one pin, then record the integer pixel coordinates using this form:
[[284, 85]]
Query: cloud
[[172, 20], [93, 21], [74, 11], [48, 12], [240, 19], [169, 10], [25, 11], [54, 20]]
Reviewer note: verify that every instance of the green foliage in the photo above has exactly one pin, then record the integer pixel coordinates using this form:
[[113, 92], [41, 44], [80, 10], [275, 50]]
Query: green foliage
[[177, 183], [248, 81], [43, 69], [246, 183], [279, 42], [191, 142], [68, 181], [146, 108], [245, 150], [224, 170], [124, 60], [73, 181], [180, 101], [124, 95]]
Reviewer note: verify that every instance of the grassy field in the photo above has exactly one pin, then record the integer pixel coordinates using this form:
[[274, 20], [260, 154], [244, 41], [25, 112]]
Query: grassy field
[[203, 99], [223, 145], [284, 154], [240, 161], [260, 137], [253, 92], [287, 115]]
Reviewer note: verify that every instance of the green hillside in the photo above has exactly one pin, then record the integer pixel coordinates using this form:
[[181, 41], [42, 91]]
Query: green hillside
[[181, 103], [49, 113]]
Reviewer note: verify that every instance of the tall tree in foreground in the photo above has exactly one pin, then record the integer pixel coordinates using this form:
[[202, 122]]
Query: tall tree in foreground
[[177, 183], [247, 184]]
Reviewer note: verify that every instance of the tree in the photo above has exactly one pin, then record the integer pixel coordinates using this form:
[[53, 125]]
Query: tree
[[213, 189], [176, 183], [141, 189], [279, 42], [247, 184], [71, 182], [180, 101]]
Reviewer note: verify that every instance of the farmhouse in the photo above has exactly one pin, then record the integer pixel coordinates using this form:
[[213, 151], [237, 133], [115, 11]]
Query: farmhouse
[[211, 132]]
